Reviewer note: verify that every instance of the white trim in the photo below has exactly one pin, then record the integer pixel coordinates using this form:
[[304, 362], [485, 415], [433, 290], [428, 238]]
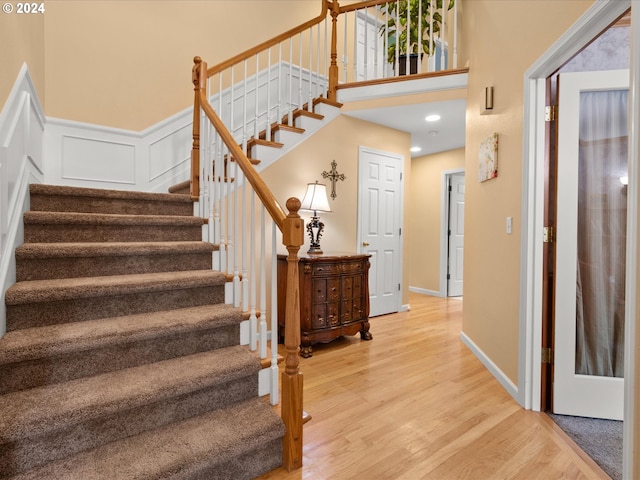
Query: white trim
[[424, 291], [444, 227], [22, 125], [630, 465], [407, 87], [506, 383]]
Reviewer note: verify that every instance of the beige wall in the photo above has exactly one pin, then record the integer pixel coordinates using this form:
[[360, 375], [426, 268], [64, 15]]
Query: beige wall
[[339, 141], [21, 41], [128, 64], [423, 225], [492, 258]]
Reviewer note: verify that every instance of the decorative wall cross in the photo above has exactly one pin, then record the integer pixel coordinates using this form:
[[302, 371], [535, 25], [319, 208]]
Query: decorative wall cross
[[334, 176]]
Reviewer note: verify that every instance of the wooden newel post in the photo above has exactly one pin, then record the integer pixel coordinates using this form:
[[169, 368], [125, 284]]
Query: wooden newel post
[[199, 79], [292, 238], [333, 68]]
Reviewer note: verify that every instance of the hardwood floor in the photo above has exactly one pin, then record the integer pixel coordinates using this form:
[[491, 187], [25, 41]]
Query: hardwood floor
[[415, 403]]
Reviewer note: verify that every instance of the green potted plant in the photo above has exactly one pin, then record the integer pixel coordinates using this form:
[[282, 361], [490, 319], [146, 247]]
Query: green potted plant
[[414, 41]]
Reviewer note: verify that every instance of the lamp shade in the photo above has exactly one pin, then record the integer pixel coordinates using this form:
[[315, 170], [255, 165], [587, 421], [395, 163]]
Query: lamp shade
[[315, 198]]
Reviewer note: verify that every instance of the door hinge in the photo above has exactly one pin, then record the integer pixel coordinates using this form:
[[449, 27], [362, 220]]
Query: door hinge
[[400, 231], [550, 113], [448, 276], [398, 287], [547, 355], [548, 235]]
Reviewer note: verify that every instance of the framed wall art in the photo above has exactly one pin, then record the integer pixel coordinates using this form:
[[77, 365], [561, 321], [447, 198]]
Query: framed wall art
[[488, 158]]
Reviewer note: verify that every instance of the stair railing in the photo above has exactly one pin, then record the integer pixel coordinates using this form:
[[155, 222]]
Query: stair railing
[[240, 107], [291, 226]]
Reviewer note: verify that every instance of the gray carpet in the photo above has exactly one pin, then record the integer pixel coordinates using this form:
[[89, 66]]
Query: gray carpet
[[600, 439]]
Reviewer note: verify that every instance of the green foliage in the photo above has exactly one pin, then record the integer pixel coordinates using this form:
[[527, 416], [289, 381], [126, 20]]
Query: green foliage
[[415, 39]]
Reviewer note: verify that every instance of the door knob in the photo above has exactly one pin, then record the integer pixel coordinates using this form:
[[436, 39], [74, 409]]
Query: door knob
[[365, 244]]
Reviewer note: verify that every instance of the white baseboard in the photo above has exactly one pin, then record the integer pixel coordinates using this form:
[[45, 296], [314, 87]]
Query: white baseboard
[[425, 291], [507, 384]]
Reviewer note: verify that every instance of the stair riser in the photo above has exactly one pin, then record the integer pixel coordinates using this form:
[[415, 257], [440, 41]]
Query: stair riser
[[243, 467], [62, 368], [71, 267], [35, 233], [101, 429], [62, 203], [92, 308]]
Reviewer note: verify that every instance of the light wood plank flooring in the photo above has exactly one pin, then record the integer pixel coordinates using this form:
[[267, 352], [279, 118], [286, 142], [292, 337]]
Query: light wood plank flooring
[[415, 403]]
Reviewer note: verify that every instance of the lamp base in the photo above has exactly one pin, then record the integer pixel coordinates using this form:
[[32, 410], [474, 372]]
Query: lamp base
[[315, 228]]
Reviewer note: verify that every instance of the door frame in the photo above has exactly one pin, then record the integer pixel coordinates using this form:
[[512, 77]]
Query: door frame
[[400, 158], [444, 226], [596, 19]]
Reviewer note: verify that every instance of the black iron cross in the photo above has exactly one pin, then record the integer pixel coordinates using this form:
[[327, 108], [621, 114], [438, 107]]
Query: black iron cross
[[334, 176]]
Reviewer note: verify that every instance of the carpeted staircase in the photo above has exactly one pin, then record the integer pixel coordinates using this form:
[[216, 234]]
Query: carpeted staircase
[[121, 359]]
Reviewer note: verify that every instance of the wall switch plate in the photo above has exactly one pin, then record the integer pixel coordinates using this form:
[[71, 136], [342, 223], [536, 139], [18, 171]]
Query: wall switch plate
[[509, 223]]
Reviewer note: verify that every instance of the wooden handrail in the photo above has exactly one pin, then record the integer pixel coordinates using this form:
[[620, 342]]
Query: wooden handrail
[[359, 6], [270, 43], [261, 189]]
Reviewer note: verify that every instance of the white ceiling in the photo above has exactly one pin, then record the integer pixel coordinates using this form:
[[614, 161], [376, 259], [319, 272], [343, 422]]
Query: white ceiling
[[448, 133]]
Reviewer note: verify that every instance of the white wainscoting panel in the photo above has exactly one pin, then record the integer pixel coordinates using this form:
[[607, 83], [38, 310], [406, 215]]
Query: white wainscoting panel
[[95, 160]]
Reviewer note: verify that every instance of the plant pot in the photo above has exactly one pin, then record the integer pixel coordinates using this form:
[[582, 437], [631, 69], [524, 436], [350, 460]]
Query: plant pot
[[413, 64]]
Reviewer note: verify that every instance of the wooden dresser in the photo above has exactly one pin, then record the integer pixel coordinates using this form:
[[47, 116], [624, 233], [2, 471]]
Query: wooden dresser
[[334, 297]]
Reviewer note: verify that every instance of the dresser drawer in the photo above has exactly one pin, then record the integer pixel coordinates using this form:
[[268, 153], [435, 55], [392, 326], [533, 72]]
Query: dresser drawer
[[324, 315]]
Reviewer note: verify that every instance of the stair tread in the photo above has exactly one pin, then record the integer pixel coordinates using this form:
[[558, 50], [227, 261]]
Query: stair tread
[[86, 287], [50, 218], [40, 342], [41, 410], [92, 249], [174, 451], [61, 190]]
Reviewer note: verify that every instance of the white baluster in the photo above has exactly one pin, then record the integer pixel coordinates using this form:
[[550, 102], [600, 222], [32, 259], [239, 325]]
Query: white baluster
[[290, 102], [263, 287], [268, 131], [253, 321], [318, 92], [397, 57], [245, 273], [300, 71], [220, 173], [455, 34], [245, 135], [420, 32], [443, 60], [345, 58], [279, 109], [355, 46], [275, 396], [310, 96], [432, 53], [407, 68], [256, 130]]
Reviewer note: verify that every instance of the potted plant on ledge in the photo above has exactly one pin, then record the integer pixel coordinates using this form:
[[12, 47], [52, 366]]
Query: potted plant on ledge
[[416, 40]]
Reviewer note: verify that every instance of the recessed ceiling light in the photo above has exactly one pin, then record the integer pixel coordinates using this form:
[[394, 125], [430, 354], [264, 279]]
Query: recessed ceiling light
[[432, 118], [415, 149], [433, 133]]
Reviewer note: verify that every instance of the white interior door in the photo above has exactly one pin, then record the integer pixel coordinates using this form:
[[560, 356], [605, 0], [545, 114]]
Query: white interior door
[[590, 239], [379, 224], [456, 235]]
